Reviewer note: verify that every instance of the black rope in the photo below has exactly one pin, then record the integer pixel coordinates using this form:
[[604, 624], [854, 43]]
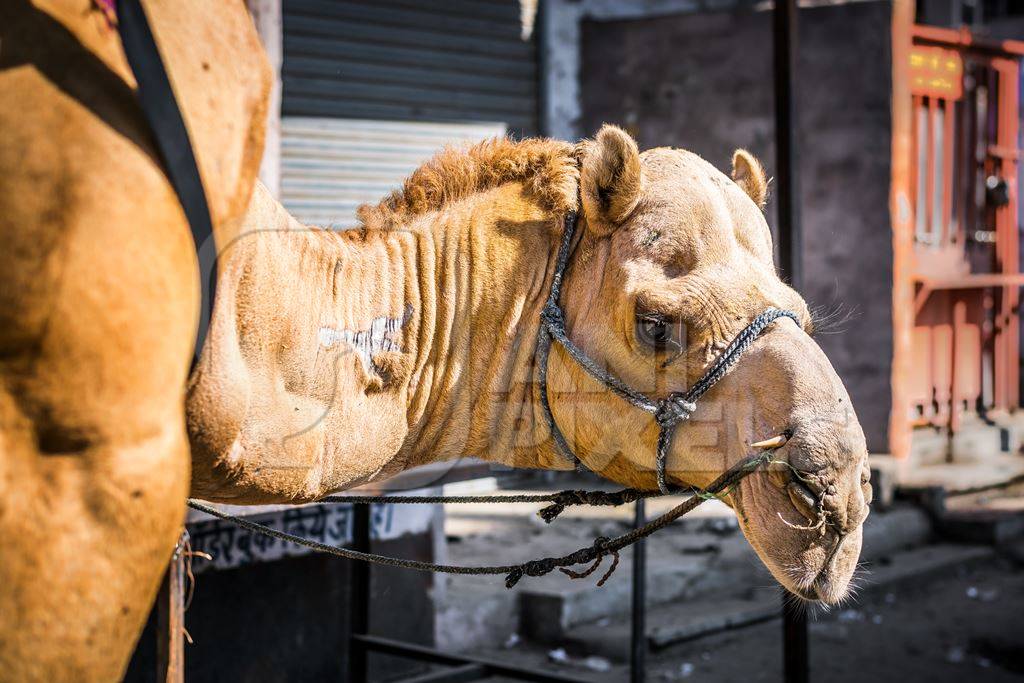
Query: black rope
[[678, 407], [589, 555], [559, 500]]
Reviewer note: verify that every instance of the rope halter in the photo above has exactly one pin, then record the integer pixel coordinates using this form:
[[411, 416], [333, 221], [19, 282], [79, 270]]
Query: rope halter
[[668, 412]]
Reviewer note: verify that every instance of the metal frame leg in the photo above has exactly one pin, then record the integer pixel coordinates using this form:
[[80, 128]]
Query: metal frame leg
[[359, 596], [794, 633], [638, 633], [790, 243]]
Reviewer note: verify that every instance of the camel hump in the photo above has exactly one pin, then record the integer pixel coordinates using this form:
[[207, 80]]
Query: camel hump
[[212, 54]]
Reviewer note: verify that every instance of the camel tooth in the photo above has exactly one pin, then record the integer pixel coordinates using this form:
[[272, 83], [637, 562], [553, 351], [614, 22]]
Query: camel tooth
[[774, 442]]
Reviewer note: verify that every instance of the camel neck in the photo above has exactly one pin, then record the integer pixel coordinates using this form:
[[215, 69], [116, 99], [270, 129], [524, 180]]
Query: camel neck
[[485, 267], [341, 358]]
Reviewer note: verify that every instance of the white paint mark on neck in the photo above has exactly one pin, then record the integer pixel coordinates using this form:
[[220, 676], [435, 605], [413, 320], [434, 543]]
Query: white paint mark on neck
[[379, 337]]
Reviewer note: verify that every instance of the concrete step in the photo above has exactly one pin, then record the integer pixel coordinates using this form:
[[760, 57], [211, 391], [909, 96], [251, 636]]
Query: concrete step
[[550, 608], [912, 566], [669, 625], [993, 527], [963, 476], [994, 516], [687, 561]]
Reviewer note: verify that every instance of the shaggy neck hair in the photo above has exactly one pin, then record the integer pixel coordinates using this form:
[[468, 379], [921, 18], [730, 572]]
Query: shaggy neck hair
[[548, 170]]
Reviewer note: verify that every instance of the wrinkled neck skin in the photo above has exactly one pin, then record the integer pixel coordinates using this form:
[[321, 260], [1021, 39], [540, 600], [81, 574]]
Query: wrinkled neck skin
[[472, 391], [336, 359]]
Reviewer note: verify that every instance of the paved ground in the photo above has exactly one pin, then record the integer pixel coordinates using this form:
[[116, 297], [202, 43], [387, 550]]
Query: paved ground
[[966, 625]]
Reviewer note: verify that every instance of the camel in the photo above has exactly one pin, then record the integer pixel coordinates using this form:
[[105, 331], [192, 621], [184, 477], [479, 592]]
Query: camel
[[99, 296], [340, 358]]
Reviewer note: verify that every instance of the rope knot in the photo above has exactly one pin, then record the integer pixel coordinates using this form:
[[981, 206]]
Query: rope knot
[[539, 567], [564, 499], [598, 552], [673, 409], [552, 316]]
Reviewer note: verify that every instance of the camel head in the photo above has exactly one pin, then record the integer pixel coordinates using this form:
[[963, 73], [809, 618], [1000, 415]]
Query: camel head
[[674, 259]]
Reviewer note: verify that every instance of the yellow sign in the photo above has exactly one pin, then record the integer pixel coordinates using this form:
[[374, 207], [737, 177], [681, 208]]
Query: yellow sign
[[936, 72]]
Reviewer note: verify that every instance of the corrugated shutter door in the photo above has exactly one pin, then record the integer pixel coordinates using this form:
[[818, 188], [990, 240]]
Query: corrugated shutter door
[[409, 60], [372, 88], [331, 166]]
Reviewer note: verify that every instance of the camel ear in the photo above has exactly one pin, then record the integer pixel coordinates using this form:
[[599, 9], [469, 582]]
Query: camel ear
[[749, 175], [610, 179]]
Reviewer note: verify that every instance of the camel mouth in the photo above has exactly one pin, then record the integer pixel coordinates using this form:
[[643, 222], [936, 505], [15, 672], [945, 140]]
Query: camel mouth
[[814, 563], [824, 588]]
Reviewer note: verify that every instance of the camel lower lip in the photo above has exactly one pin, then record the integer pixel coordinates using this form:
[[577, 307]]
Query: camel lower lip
[[810, 594]]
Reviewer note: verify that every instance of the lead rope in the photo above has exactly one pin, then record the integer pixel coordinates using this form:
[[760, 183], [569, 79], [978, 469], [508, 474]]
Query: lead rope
[[592, 554], [559, 501]]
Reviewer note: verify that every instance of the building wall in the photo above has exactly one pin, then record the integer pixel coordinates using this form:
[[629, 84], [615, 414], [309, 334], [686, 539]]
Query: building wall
[[703, 81]]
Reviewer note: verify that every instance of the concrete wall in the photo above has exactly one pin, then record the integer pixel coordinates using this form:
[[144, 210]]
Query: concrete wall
[[704, 82]]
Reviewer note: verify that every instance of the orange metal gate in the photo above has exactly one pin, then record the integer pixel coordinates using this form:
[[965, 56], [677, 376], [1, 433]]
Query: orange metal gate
[[965, 260]]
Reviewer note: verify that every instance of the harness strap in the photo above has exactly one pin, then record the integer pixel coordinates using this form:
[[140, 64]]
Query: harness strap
[[160, 109], [668, 412]]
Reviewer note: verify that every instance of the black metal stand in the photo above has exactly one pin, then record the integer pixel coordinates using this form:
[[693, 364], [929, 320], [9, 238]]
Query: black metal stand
[[787, 159], [794, 634], [790, 240], [638, 631], [359, 594], [463, 668]]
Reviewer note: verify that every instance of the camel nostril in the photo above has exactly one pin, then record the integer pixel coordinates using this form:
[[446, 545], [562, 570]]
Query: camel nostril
[[803, 500], [811, 482], [868, 493]]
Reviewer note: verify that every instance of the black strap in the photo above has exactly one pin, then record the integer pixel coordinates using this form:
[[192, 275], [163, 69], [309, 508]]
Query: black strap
[[160, 107]]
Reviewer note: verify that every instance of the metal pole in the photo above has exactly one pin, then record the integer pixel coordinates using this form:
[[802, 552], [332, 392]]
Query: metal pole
[[794, 633], [638, 633], [787, 160], [790, 239], [359, 595]]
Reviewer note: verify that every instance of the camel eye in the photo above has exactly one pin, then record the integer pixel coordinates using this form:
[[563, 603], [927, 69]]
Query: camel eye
[[659, 332]]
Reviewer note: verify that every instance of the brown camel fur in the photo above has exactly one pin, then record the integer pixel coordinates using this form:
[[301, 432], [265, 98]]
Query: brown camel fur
[[341, 358], [98, 310]]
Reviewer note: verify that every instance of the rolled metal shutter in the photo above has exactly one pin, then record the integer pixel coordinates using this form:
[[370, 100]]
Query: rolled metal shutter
[[371, 89], [331, 166]]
